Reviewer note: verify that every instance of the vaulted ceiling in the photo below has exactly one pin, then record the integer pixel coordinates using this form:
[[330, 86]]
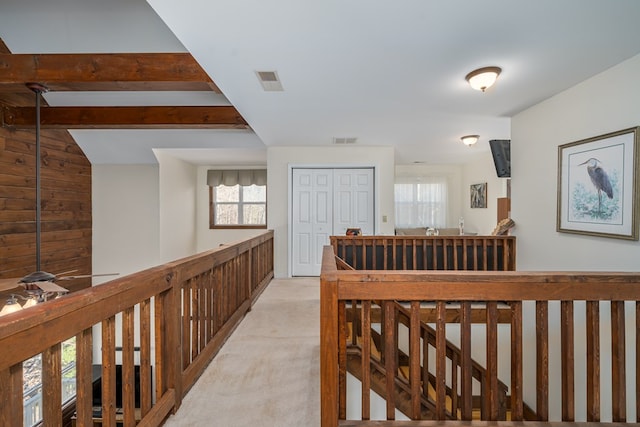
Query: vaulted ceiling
[[384, 72]]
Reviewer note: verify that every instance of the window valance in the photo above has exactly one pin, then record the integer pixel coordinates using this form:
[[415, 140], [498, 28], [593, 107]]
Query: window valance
[[233, 177]]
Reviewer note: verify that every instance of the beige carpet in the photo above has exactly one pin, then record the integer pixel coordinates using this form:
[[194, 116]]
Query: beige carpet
[[268, 372]]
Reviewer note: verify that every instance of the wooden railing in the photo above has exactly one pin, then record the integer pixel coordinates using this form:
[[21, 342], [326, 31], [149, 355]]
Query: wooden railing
[[486, 253], [416, 252], [541, 366], [170, 320]]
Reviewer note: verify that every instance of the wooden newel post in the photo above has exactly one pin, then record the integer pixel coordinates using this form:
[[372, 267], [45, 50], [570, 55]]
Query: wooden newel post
[[329, 346]]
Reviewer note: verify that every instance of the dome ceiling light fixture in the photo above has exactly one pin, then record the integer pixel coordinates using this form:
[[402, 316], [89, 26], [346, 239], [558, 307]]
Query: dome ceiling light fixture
[[483, 78], [469, 140]]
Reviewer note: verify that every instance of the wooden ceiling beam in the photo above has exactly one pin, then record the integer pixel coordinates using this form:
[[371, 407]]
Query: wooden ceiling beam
[[148, 117], [104, 72]]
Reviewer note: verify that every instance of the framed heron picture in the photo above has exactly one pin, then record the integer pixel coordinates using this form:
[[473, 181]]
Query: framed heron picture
[[597, 185]]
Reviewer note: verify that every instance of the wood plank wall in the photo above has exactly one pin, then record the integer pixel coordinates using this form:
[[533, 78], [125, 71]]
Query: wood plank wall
[[66, 205]]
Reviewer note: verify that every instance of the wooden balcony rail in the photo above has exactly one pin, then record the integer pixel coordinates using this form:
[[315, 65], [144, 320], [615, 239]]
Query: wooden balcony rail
[[170, 320], [539, 364], [486, 253]]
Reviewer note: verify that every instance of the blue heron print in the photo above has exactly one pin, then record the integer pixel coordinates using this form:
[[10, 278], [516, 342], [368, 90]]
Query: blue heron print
[[599, 179]]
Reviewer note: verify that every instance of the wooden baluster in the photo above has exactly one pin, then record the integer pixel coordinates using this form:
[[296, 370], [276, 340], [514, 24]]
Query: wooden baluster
[[354, 253], [145, 357], [425, 262], [434, 243], [414, 247], [385, 254], [618, 386], [186, 325], [567, 364], [445, 254], [84, 377], [465, 257], [374, 255], [128, 370], [495, 254], [425, 364], [542, 360], [485, 259], [211, 299], [455, 403], [108, 371], [414, 360], [355, 324], [366, 359], [475, 255], [454, 252], [441, 360], [365, 265], [202, 303], [517, 409], [390, 354], [342, 360], [11, 409], [466, 366], [403, 252], [593, 361], [52, 385], [492, 361]]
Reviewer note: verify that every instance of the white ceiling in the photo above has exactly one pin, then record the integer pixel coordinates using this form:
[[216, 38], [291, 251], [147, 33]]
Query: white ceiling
[[386, 72]]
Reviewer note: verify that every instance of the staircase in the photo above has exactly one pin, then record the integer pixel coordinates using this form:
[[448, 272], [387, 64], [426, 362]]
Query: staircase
[[402, 386]]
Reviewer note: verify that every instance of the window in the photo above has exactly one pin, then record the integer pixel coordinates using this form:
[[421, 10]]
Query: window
[[239, 206], [32, 382], [421, 204], [237, 198]]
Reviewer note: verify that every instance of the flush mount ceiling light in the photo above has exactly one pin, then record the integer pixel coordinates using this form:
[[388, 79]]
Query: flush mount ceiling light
[[483, 78], [469, 140]]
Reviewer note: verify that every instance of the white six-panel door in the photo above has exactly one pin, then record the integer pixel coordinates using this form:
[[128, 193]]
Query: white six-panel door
[[353, 200], [325, 202]]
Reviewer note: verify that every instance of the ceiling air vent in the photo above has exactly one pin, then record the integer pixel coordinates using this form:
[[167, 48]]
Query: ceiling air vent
[[344, 141], [269, 81]]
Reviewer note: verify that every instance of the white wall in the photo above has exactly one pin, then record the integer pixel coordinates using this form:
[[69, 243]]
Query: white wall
[[177, 181], [602, 104], [205, 237], [482, 169], [125, 201], [278, 161]]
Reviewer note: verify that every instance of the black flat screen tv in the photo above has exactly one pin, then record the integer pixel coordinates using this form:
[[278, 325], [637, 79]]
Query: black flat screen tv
[[501, 152]]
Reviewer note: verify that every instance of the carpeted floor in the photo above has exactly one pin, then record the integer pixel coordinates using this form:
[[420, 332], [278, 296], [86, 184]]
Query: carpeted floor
[[268, 372]]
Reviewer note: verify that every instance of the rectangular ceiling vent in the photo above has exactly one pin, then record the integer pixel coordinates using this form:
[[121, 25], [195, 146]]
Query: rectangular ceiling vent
[[270, 81], [344, 141]]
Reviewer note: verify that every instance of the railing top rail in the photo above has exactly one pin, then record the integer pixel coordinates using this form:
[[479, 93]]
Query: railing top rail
[[200, 262], [419, 236], [32, 331], [481, 285]]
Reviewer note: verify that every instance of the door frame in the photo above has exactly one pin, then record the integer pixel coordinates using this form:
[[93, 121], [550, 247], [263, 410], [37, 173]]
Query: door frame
[[291, 166]]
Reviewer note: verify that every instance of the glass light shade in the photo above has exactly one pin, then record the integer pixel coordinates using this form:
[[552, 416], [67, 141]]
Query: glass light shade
[[30, 302], [483, 78], [10, 307], [470, 139]]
